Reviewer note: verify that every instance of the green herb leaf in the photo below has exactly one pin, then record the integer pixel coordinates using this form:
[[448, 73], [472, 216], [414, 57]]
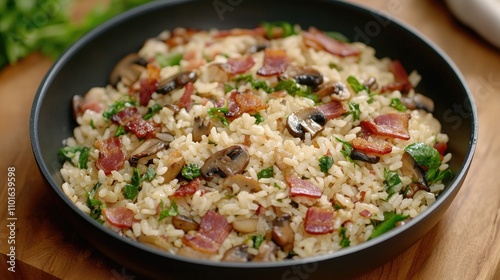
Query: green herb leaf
[[149, 175], [152, 111], [276, 185], [228, 88], [427, 156], [266, 173], [337, 206], [397, 104], [356, 85], [257, 240], [344, 241], [293, 88], [117, 107], [70, 152], [354, 110], [120, 131], [169, 59], [391, 180], [92, 124], [258, 118], [444, 176], [95, 205], [219, 113], [346, 149], [131, 190], [333, 65], [371, 98], [191, 171], [260, 84], [169, 212], [248, 78], [325, 162], [390, 221]]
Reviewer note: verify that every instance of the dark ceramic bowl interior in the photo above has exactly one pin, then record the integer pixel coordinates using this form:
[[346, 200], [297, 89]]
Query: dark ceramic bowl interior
[[88, 62]]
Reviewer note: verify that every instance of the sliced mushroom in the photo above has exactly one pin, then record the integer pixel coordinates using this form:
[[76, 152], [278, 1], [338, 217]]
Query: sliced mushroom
[[371, 83], [267, 252], [237, 254], [308, 120], [418, 101], [156, 241], [282, 233], [336, 90], [243, 182], [412, 169], [245, 225], [359, 155], [176, 81], [226, 162], [201, 127], [258, 48], [128, 70], [185, 223], [424, 102], [304, 75], [174, 163], [148, 147], [189, 252]]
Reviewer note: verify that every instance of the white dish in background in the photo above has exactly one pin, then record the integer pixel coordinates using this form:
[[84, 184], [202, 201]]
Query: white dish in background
[[483, 16]]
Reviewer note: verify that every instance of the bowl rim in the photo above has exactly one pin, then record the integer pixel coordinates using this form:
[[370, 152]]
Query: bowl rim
[[82, 42]]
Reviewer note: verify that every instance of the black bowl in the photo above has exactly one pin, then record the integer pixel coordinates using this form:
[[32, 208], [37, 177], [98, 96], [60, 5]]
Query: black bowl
[[88, 62]]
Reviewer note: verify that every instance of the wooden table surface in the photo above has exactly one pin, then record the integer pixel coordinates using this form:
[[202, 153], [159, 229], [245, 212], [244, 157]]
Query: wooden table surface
[[465, 244]]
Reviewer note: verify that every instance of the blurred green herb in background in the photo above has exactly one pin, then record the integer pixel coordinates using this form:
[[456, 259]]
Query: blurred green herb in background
[[28, 26]]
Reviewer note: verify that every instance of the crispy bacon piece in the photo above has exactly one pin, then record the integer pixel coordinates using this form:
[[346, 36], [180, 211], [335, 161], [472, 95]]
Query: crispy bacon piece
[[332, 109], [390, 125], [275, 62], [185, 100], [141, 128], [301, 187], [320, 41], [120, 217], [111, 154], [401, 81], [371, 147], [132, 121], [238, 65], [124, 116], [201, 243], [149, 84], [213, 231], [188, 189], [244, 102], [318, 221]]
